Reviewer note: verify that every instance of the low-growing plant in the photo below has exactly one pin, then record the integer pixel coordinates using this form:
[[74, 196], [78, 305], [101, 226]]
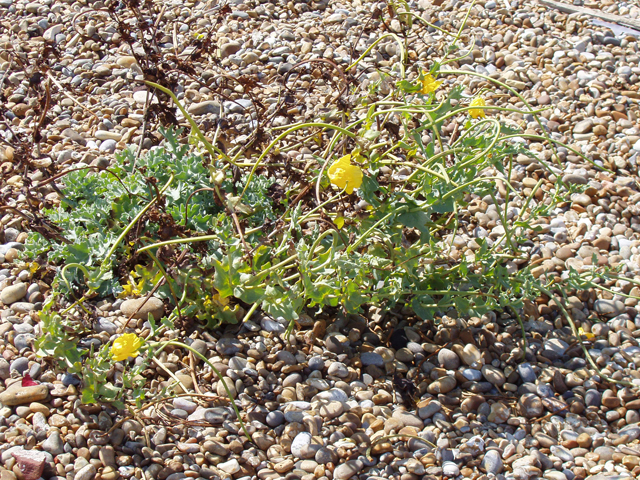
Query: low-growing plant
[[372, 217]]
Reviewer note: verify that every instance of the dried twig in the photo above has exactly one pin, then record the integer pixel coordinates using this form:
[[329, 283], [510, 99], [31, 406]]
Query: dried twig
[[617, 19]]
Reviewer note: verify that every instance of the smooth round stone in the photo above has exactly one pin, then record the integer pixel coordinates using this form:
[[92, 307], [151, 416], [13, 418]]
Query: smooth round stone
[[294, 416], [530, 405], [448, 359], [545, 391], [269, 325], [331, 409], [332, 394], [110, 147], [493, 375], [593, 398], [442, 385], [228, 346], [230, 467], [292, 380], [16, 394], [338, 369], [408, 419], [317, 363], [20, 365], [324, 456], [348, 469], [500, 413], [104, 325], [54, 444], [450, 469], [153, 306], [472, 374], [526, 372], [470, 354], [301, 446], [430, 409], [237, 363], [184, 404], [610, 308], [372, 358], [13, 293], [275, 418], [492, 463]]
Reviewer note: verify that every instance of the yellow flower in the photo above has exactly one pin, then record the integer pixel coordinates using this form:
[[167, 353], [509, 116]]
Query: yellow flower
[[126, 346], [429, 84], [342, 174], [588, 335], [477, 112]]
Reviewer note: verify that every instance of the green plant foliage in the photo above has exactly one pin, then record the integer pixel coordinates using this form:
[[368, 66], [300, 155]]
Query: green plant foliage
[[219, 235]]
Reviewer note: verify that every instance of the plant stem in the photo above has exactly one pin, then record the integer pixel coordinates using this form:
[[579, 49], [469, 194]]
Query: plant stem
[[218, 374]]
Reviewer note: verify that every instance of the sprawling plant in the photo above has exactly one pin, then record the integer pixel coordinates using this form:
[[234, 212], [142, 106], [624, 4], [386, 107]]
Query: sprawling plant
[[372, 216]]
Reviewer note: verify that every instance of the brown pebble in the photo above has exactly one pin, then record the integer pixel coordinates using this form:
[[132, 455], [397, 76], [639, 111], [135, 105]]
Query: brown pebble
[[38, 407], [11, 255], [584, 440]]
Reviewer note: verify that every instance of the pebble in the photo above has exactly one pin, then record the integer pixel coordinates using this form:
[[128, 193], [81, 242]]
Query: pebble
[[19, 395], [492, 463], [13, 293], [348, 469], [153, 306]]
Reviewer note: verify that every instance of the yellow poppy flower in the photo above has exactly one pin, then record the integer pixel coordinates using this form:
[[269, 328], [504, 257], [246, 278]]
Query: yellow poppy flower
[[588, 335], [342, 174], [126, 346], [477, 112], [429, 84]]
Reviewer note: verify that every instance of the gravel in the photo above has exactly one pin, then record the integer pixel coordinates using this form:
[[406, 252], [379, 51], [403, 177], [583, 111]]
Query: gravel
[[320, 403]]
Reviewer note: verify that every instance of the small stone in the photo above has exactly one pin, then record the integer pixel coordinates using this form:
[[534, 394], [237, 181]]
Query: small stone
[[574, 179], [107, 135], [283, 466], [584, 440], [442, 385], [415, 467], [584, 126], [530, 405], [470, 354], [230, 385], [275, 418], [430, 409], [270, 325], [126, 61], [203, 108], [230, 467], [50, 33], [153, 306], [492, 463], [450, 469], [54, 444], [372, 358], [593, 398], [88, 472], [526, 372], [348, 469], [300, 446], [229, 49], [448, 359], [493, 375], [610, 308], [184, 404], [408, 419], [30, 463], [16, 394], [13, 293], [500, 413]]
